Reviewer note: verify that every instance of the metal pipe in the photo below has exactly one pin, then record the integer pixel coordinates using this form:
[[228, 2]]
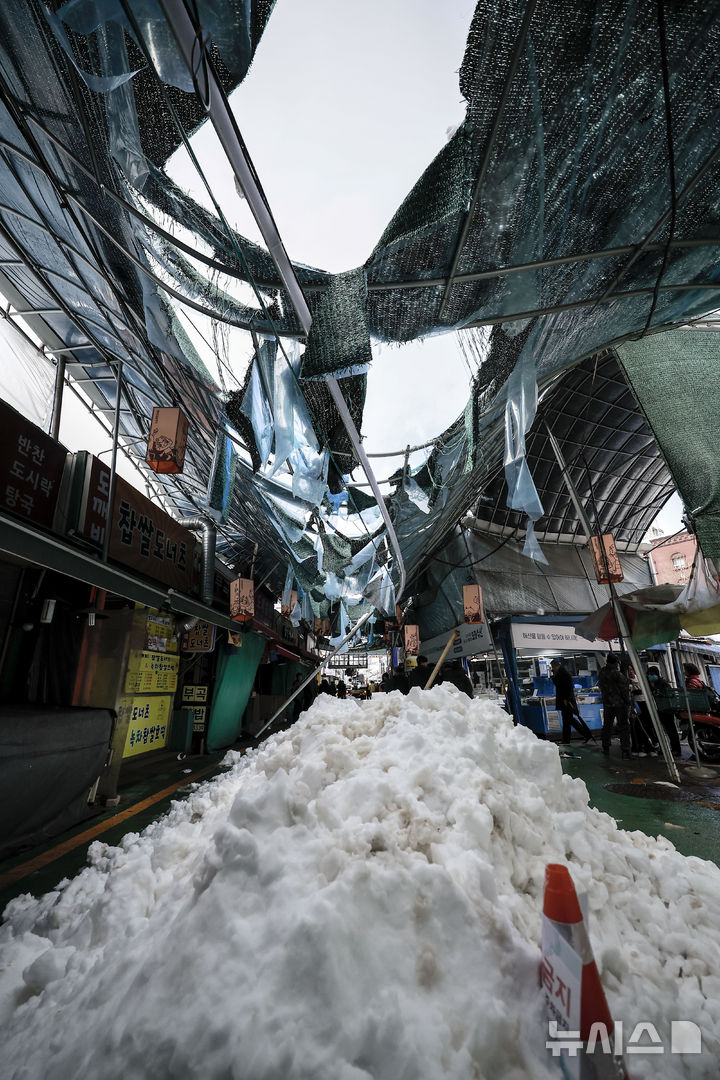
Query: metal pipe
[[209, 541], [620, 620], [58, 398], [113, 463], [361, 622], [222, 119], [349, 423]]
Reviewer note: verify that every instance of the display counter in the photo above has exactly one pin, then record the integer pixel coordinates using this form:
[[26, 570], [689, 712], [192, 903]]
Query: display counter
[[541, 716]]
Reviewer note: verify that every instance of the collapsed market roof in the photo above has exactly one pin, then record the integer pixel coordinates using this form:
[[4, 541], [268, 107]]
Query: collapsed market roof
[[575, 207]]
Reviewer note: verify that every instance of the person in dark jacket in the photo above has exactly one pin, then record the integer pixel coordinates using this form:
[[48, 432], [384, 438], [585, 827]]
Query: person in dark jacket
[[566, 703], [385, 687], [399, 680], [420, 674], [659, 687], [616, 699], [453, 672]]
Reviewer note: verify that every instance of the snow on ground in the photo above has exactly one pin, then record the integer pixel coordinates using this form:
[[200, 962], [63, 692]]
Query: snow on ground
[[359, 898]]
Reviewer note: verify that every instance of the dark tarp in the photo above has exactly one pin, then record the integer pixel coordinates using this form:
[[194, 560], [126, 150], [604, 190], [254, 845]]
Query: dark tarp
[[49, 760]]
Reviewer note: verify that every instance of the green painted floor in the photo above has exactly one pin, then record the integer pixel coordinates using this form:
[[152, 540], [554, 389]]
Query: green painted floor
[[693, 828], [142, 781]]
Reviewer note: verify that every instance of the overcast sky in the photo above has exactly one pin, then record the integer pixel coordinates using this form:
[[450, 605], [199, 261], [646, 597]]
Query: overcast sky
[[343, 108]]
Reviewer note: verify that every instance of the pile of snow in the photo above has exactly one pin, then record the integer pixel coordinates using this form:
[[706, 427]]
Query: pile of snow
[[359, 898]]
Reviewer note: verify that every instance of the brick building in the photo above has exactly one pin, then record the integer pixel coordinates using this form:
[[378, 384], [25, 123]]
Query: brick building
[[671, 558]]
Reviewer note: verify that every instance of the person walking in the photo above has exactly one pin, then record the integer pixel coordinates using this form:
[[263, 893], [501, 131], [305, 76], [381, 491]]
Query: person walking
[[616, 700], [641, 729], [566, 703], [659, 688]]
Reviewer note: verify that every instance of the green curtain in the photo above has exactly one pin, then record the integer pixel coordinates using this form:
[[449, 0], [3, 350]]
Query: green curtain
[[233, 683]]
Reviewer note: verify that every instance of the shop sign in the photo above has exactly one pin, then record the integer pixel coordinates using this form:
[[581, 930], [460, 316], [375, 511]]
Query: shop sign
[[200, 638], [31, 468], [196, 697], [469, 641], [160, 633], [144, 660], [148, 720], [553, 638], [142, 535]]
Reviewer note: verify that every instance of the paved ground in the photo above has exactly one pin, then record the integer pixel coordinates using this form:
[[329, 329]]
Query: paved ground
[[688, 815]]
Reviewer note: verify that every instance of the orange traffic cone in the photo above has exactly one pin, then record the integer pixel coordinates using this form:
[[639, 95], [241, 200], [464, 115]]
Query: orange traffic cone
[[562, 909]]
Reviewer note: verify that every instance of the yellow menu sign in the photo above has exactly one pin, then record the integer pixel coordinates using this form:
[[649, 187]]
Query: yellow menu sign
[[148, 720]]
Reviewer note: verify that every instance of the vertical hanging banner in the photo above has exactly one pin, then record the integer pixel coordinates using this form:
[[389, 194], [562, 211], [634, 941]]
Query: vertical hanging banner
[[167, 441], [605, 559], [412, 640], [242, 599], [473, 604]]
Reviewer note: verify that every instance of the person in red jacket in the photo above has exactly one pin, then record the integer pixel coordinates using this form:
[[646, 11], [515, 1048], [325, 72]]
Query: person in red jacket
[[693, 680]]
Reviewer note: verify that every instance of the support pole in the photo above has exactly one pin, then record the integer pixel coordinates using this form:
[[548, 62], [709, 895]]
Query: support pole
[[113, 462], [361, 622], [349, 424], [58, 398], [441, 660], [620, 620]]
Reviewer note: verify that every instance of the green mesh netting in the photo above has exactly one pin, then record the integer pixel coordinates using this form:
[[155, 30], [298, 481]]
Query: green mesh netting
[[673, 376]]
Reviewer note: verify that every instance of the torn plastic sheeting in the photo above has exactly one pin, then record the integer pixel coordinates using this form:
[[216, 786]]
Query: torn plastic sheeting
[[366, 553], [222, 477], [520, 409], [417, 496], [342, 630], [231, 36], [293, 427], [380, 591], [310, 469], [99, 83], [255, 407]]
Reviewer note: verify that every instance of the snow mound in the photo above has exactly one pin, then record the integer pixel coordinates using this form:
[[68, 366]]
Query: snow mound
[[359, 898]]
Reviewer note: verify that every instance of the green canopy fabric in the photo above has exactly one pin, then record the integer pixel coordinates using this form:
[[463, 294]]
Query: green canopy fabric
[[673, 375], [234, 680]]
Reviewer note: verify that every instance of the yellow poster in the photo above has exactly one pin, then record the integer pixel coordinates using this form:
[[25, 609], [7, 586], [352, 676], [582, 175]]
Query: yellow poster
[[151, 682], [148, 720], [142, 660]]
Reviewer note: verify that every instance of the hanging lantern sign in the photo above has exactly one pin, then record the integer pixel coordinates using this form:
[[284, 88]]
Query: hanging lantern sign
[[473, 604], [609, 562], [288, 603], [167, 441], [412, 640], [242, 599]]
